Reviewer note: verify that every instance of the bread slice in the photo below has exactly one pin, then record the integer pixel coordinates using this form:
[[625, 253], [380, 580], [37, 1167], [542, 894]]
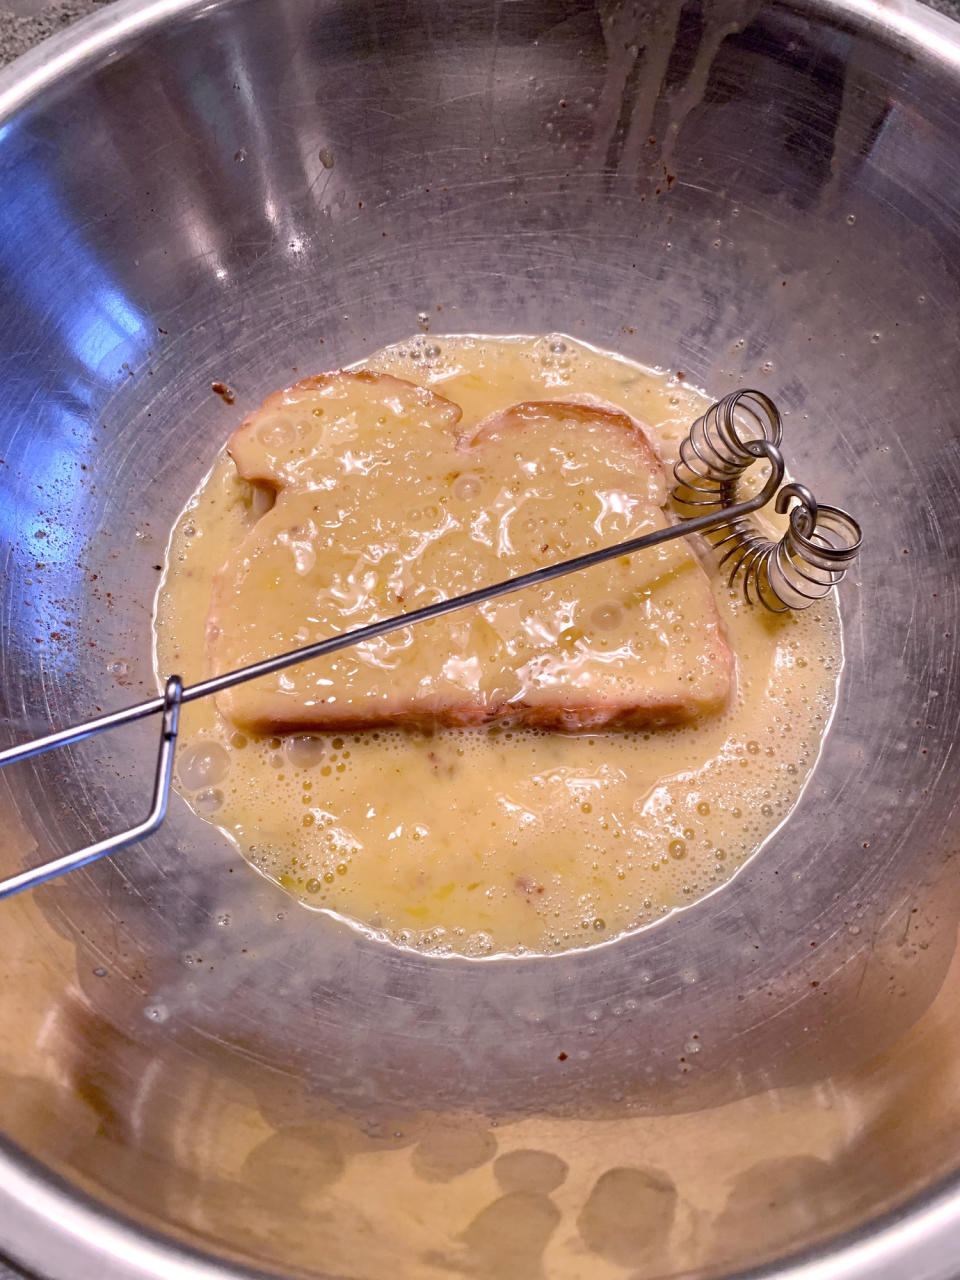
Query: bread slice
[[384, 504]]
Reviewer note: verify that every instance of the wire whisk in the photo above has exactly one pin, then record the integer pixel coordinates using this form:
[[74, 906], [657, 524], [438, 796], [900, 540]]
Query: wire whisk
[[741, 429], [820, 543]]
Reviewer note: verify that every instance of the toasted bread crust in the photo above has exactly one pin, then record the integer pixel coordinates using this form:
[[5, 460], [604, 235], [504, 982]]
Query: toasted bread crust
[[262, 716], [530, 411]]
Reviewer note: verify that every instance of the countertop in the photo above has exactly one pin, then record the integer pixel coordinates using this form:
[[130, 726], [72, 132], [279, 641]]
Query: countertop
[[24, 23]]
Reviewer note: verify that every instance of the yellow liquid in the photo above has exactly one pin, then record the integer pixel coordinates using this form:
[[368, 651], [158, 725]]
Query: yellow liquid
[[495, 840]]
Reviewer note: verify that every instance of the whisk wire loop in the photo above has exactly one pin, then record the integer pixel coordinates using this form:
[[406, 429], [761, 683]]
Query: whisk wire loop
[[820, 543]]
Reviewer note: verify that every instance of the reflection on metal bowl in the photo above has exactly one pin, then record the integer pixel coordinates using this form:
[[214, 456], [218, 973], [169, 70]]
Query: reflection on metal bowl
[[198, 1079]]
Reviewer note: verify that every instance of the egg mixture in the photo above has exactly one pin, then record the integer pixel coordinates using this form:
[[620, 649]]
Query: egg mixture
[[504, 838]]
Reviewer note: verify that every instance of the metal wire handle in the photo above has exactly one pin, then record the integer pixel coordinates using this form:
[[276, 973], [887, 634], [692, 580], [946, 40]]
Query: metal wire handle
[[170, 706], [738, 431]]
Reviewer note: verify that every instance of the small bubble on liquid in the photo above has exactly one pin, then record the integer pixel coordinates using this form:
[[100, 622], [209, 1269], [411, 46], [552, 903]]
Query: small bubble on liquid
[[99, 971], [875, 338], [208, 801], [119, 667], [605, 617], [313, 886], [276, 432], [203, 765], [677, 849], [304, 750], [851, 219], [466, 487], [558, 346]]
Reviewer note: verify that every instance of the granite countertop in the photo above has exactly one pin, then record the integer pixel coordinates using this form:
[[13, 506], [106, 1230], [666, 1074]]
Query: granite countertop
[[24, 23]]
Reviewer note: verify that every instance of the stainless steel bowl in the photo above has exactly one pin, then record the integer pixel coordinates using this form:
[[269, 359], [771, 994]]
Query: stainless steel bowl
[[197, 1077]]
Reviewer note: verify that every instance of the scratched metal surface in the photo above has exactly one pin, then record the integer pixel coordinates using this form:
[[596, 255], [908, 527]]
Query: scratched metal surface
[[167, 221]]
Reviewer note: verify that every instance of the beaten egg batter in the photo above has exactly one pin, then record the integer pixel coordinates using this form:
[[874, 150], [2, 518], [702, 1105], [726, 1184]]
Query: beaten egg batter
[[503, 839]]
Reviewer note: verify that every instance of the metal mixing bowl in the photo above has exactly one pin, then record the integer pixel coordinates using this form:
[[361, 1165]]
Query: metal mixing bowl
[[197, 1076]]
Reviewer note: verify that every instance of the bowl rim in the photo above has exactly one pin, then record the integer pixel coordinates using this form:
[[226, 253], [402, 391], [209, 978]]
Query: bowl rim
[[62, 1233], [103, 32], [106, 30]]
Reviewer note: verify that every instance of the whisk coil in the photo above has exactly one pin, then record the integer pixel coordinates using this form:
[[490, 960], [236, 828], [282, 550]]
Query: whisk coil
[[820, 542]]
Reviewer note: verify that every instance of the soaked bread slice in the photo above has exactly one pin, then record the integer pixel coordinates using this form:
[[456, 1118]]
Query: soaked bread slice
[[386, 501]]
